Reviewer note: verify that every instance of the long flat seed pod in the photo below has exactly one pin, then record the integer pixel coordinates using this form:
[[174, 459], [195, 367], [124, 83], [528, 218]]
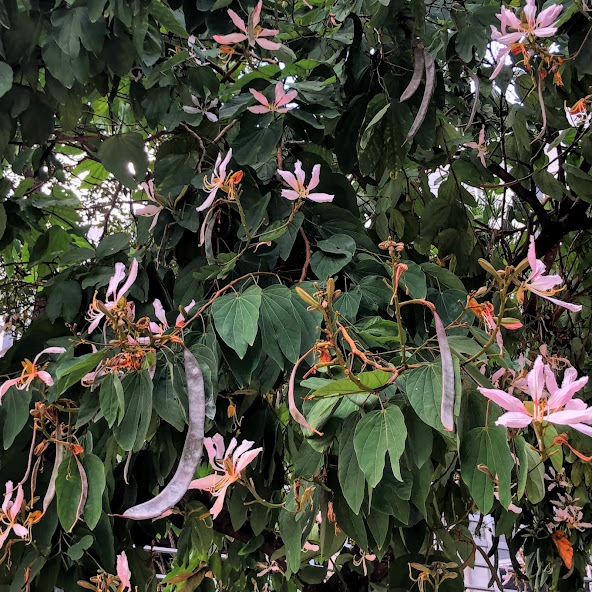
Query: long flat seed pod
[[430, 70], [475, 80], [447, 410], [192, 449], [83, 491], [51, 490], [418, 67], [296, 415]]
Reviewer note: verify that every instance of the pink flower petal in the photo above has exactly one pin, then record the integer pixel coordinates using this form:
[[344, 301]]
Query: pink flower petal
[[514, 420], [300, 175], [238, 21], [504, 400], [289, 178], [45, 377], [160, 313], [260, 97], [209, 200], [288, 98], [568, 305], [258, 109], [6, 385], [265, 44], [232, 38], [219, 504], [316, 175], [320, 197], [247, 458], [289, 194], [206, 483]]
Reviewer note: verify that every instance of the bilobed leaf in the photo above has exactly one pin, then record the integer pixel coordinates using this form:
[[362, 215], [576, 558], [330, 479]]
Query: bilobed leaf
[[116, 154], [64, 300], [14, 413], [376, 433], [131, 432], [351, 477], [535, 484], [111, 399], [291, 532], [487, 446], [6, 77], [236, 318], [95, 472], [413, 281], [279, 331], [69, 491]]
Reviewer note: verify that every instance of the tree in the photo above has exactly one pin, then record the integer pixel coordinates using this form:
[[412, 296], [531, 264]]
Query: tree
[[342, 247]]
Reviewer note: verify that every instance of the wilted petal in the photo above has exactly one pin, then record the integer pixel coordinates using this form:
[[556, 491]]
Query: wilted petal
[[45, 377]]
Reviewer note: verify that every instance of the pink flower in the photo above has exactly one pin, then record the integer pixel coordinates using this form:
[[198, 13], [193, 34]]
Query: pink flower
[[10, 512], [543, 285], [482, 150], [161, 316], [203, 109], [567, 511], [231, 463], [485, 312], [281, 98], [30, 372], [253, 33], [549, 402], [529, 24], [217, 180], [123, 572], [298, 189], [114, 295], [150, 210]]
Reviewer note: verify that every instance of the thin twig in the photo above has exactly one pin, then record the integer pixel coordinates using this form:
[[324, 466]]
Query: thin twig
[[226, 129], [307, 259], [201, 145]]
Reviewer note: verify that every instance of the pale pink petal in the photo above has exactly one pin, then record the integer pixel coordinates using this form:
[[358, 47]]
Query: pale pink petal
[[536, 380], [123, 572], [212, 117], [320, 197], [545, 32], [268, 33], [316, 175], [20, 531], [219, 504], [116, 279], [238, 21], [550, 380], [287, 98], [209, 200], [247, 458], [300, 175], [131, 278], [257, 13], [279, 93], [45, 377], [147, 210], [565, 393], [514, 420], [245, 445], [160, 313], [510, 38], [232, 38], [49, 350], [212, 452], [218, 442], [530, 12], [259, 96], [289, 178], [532, 258], [504, 400], [15, 508], [500, 64], [225, 164], [568, 417], [191, 110], [230, 448], [472, 145], [259, 109], [289, 194], [547, 16], [207, 483], [266, 44], [6, 385], [7, 497], [568, 305], [545, 282]]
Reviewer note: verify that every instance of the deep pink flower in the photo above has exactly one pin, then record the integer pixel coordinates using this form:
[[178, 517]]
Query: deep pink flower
[[123, 572], [10, 512], [282, 98], [230, 462], [114, 294], [549, 402], [253, 32], [150, 210], [543, 285], [30, 372], [298, 189]]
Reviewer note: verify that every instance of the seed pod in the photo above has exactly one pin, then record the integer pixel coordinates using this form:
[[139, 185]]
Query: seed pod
[[192, 449], [51, 490], [430, 70], [448, 395], [418, 67], [307, 297]]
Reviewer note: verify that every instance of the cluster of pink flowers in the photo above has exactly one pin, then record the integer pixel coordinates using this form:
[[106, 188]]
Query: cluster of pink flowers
[[549, 401], [528, 27], [229, 464], [567, 514]]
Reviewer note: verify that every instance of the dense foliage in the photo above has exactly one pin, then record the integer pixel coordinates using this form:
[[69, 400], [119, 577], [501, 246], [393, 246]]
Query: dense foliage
[[337, 233]]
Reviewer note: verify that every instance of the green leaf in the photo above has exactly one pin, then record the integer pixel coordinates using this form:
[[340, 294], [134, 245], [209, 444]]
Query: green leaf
[[443, 276], [68, 492], [413, 281], [116, 154], [291, 533], [376, 433], [336, 252], [236, 318], [64, 300], [71, 371], [131, 432], [14, 413], [419, 438], [172, 20], [6, 77], [351, 476], [487, 446], [579, 182], [111, 244], [522, 465], [76, 551], [424, 391], [374, 380], [280, 333], [170, 396], [535, 484], [95, 473], [111, 399]]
